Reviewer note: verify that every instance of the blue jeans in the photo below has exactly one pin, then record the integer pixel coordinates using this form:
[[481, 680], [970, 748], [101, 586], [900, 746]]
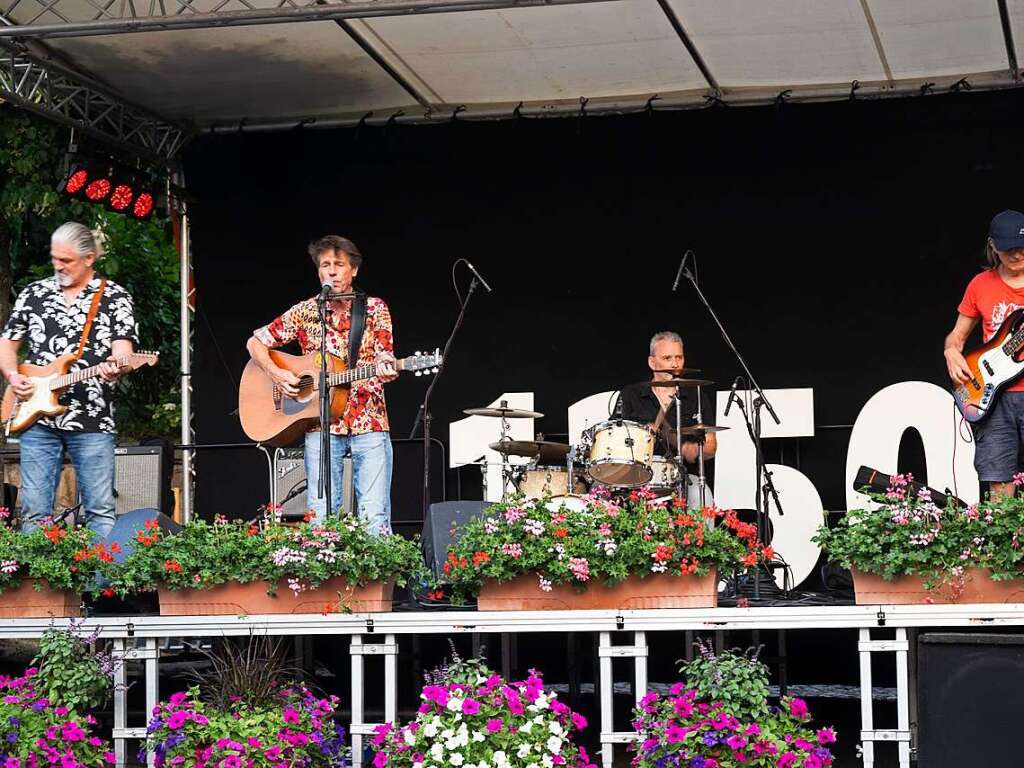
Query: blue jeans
[[92, 454], [371, 477]]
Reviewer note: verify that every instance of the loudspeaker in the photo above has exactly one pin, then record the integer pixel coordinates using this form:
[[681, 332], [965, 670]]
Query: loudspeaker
[[126, 526], [441, 528], [137, 477], [290, 483], [971, 693]]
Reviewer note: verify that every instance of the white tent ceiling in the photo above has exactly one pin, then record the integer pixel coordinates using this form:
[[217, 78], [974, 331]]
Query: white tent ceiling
[[615, 55]]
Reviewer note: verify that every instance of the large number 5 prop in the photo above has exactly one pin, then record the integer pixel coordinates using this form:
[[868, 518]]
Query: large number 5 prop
[[735, 476]]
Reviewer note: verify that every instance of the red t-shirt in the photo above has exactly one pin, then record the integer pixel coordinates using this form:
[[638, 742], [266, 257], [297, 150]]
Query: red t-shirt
[[991, 299]]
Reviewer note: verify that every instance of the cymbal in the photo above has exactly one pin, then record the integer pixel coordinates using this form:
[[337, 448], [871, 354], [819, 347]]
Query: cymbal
[[676, 371], [542, 449], [701, 429], [678, 383], [503, 413]]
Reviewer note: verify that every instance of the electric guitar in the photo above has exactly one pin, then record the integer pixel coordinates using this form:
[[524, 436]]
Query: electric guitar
[[270, 416], [50, 380], [994, 366]]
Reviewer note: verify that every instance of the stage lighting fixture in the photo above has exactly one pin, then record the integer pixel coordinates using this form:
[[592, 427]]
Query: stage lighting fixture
[[122, 190]]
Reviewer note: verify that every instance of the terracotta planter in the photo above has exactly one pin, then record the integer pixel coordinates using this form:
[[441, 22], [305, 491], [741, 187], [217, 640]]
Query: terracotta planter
[[25, 601], [656, 591], [333, 596], [909, 590]]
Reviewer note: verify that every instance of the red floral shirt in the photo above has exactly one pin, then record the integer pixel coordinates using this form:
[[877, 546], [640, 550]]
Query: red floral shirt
[[366, 411]]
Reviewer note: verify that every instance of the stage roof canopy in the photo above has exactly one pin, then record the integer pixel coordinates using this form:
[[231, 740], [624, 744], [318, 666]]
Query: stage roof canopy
[[265, 64]]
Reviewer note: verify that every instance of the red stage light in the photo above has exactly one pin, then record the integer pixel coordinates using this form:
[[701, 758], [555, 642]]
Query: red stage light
[[121, 197], [76, 181], [143, 206], [98, 189]]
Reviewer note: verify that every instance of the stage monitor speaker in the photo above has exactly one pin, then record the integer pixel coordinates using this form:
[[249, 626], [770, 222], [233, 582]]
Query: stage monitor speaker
[[290, 483], [441, 519], [971, 693], [137, 477], [125, 528]]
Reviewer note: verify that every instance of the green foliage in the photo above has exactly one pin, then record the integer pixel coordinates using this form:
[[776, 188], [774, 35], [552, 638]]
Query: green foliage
[[140, 255], [607, 541], [736, 679], [202, 555], [70, 673], [54, 555], [902, 534], [248, 670]]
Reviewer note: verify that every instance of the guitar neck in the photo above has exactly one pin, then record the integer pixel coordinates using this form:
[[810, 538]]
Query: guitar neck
[[75, 377], [358, 373]]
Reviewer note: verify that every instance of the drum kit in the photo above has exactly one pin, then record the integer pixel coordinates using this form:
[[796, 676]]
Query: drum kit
[[616, 453]]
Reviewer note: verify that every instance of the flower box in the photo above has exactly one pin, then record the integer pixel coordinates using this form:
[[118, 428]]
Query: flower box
[[975, 587], [656, 591], [25, 601], [335, 595]]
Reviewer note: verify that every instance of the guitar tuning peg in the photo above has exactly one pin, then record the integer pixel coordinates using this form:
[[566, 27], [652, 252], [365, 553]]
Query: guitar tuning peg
[[416, 353], [417, 374], [436, 370]]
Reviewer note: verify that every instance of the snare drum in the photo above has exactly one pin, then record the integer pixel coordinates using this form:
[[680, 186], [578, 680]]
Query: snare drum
[[665, 474], [570, 501], [539, 481], [620, 453]]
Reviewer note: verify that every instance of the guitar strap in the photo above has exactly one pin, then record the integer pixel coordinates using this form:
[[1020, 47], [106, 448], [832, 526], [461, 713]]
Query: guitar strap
[[94, 309], [356, 328]]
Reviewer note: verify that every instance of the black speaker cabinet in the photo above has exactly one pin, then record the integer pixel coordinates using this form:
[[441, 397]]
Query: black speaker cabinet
[[441, 519], [970, 696]]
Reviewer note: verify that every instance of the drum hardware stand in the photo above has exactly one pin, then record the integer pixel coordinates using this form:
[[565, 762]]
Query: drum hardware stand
[[759, 401], [570, 460]]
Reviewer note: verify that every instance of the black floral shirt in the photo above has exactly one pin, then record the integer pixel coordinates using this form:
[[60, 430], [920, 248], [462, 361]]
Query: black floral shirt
[[52, 328]]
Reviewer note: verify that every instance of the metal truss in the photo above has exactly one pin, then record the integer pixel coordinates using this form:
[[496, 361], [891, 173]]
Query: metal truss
[[54, 91], [112, 17]]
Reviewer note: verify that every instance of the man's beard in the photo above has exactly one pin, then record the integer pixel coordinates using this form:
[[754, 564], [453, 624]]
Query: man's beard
[[62, 280]]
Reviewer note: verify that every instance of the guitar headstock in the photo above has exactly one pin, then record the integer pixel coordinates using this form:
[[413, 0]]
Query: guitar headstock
[[138, 359], [423, 364]]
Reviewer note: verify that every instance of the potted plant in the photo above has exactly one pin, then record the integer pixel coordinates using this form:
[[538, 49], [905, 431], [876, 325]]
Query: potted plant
[[470, 717], [720, 717], [247, 711], [45, 572], [635, 553], [70, 669], [37, 732], [236, 567], [906, 549]]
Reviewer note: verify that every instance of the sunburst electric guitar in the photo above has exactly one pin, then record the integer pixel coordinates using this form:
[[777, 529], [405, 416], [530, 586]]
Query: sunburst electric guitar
[[52, 379], [269, 416], [993, 368]]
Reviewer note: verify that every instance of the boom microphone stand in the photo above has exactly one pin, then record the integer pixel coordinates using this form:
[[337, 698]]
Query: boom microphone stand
[[755, 431], [324, 483]]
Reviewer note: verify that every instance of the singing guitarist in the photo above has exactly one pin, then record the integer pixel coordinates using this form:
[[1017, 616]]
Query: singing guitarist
[[363, 428], [75, 311], [990, 297]]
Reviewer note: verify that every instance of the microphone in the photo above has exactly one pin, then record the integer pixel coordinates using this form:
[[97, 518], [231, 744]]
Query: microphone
[[732, 395], [478, 277], [325, 289], [679, 274]]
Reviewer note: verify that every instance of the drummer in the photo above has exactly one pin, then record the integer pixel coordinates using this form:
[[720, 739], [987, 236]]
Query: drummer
[[642, 403]]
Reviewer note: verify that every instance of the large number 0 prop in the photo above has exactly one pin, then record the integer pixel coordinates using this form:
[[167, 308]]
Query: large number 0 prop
[[948, 447], [736, 470]]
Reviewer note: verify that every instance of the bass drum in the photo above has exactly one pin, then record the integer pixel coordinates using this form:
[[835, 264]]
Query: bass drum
[[539, 481]]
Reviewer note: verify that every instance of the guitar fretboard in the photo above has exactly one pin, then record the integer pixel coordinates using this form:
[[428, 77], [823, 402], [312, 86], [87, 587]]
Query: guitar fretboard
[[92, 371], [358, 373], [1013, 344]]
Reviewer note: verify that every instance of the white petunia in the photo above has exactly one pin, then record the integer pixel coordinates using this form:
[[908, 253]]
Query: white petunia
[[524, 750], [456, 758], [500, 758], [409, 737], [437, 752], [447, 733], [430, 730], [547, 762], [556, 728], [454, 705], [554, 745], [526, 727], [478, 736]]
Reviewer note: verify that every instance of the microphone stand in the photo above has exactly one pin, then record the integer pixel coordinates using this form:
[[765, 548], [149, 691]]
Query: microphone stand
[[760, 401], [426, 417], [324, 482]]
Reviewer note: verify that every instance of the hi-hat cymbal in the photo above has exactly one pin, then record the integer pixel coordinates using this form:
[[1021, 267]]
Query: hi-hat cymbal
[[678, 383], [701, 429], [503, 413], [543, 450]]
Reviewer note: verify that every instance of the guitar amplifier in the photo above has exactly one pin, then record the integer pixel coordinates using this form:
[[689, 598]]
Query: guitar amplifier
[[289, 483], [137, 476]]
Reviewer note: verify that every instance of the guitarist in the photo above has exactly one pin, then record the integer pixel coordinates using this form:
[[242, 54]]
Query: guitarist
[[990, 297], [51, 314], [363, 429]]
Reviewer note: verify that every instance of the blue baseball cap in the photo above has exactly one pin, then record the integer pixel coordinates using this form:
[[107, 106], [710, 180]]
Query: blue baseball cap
[[1007, 230]]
